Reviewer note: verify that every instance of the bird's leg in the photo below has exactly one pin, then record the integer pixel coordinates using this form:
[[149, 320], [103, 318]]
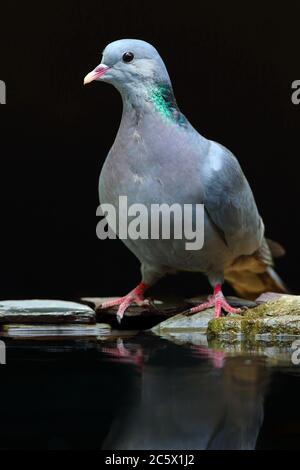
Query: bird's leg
[[136, 296], [218, 301]]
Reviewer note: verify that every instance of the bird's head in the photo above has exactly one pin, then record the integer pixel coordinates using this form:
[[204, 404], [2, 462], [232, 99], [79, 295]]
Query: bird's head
[[129, 64]]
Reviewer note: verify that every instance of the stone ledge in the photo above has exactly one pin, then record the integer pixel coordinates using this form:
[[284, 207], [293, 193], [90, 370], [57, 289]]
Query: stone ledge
[[45, 311], [273, 319]]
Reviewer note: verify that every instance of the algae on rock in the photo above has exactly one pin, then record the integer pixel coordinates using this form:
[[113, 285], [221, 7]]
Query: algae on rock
[[276, 318]]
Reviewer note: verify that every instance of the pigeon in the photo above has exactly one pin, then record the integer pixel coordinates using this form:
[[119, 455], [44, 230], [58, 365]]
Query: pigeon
[[158, 157]]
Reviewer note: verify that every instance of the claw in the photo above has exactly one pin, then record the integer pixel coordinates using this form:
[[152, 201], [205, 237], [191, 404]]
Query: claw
[[218, 301], [134, 297]]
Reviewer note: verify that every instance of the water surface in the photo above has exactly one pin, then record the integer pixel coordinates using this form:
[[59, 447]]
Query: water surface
[[135, 390]]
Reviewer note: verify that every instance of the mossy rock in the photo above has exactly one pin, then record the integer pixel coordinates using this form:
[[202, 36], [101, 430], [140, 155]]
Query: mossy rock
[[284, 305], [273, 319]]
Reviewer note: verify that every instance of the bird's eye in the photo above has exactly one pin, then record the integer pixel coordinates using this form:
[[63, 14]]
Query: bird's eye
[[128, 57]]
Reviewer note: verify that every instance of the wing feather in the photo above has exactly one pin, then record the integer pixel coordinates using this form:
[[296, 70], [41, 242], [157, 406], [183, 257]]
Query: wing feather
[[229, 201]]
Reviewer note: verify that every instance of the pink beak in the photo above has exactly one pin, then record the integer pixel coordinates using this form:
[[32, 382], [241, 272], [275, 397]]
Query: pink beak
[[96, 73]]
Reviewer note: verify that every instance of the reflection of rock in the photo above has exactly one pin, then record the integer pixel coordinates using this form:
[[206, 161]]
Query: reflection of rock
[[275, 353], [51, 331], [274, 319]]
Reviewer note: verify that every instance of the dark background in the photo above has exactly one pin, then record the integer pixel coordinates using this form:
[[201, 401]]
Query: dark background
[[232, 65]]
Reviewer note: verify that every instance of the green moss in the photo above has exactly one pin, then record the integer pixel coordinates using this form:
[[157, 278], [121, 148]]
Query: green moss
[[218, 326], [276, 319], [285, 305], [251, 327]]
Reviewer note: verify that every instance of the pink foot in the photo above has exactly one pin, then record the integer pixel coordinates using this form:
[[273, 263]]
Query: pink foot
[[134, 297], [218, 301]]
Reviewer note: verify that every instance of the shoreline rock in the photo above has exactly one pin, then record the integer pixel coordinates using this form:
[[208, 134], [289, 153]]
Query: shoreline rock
[[275, 318], [45, 311]]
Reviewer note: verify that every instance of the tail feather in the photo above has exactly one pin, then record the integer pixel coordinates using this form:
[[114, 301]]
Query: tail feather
[[276, 249], [250, 276]]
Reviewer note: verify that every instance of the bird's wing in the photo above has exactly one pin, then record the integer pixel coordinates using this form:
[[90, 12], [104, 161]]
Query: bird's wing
[[229, 202]]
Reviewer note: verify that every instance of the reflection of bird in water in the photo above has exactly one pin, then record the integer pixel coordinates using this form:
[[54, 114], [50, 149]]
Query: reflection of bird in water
[[185, 403], [123, 354]]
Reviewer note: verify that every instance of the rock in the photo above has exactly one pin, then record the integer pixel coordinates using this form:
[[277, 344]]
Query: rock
[[136, 317], [276, 318], [267, 297], [257, 327], [198, 321], [234, 301], [156, 307], [45, 311], [281, 305], [132, 310], [184, 337], [272, 315], [182, 321]]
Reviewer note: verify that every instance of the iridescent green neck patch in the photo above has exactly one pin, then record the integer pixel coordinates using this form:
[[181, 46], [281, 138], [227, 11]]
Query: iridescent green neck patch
[[163, 99]]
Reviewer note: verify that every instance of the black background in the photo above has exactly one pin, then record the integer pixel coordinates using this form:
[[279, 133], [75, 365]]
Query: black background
[[231, 64]]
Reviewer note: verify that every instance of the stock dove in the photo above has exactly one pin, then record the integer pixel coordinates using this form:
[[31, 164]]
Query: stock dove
[[158, 157]]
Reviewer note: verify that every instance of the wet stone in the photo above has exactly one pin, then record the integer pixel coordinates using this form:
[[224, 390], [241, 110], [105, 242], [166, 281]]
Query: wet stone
[[271, 316], [45, 311], [276, 318], [165, 307], [183, 321], [235, 302], [136, 317], [198, 321]]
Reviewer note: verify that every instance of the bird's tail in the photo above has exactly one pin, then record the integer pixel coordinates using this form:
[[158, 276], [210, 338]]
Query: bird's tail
[[252, 275]]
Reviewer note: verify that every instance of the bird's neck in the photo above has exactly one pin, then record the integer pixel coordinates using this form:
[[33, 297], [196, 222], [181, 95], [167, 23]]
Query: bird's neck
[[155, 97]]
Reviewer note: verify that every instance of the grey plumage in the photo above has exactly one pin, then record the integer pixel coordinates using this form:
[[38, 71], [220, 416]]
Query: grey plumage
[[158, 157]]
